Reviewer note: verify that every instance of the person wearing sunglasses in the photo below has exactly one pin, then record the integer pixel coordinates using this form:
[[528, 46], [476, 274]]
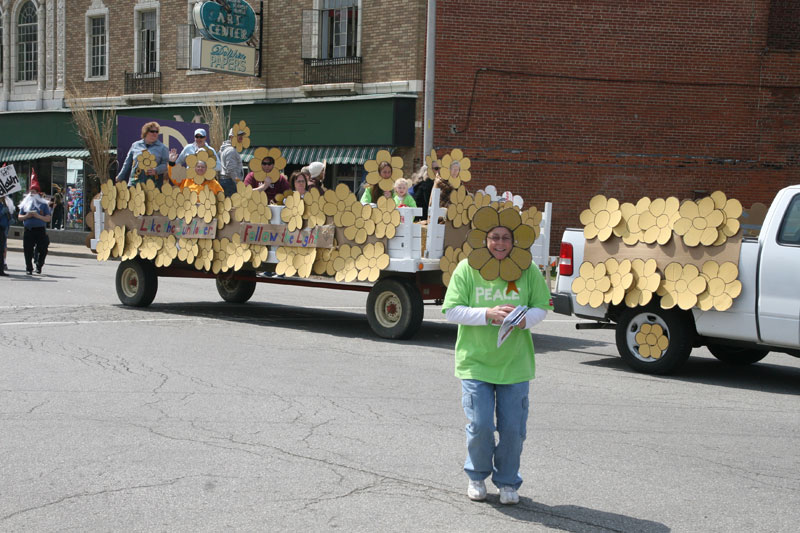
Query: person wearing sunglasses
[[272, 188], [200, 137], [129, 171]]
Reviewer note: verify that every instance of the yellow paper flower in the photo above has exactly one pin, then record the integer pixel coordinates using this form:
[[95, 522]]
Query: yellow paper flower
[[386, 218], [651, 340], [150, 194], [459, 208], [323, 263], [188, 250], [119, 241], [281, 197], [621, 277], [132, 243], [167, 253], [109, 199], [681, 286], [211, 167], [373, 176], [205, 254], [646, 281], [362, 226], [314, 212], [206, 205], [338, 202], [258, 210], [449, 261], [136, 203], [657, 221], [731, 210], [479, 200], [146, 161], [258, 171], [344, 265], [591, 286], [224, 207], [295, 261], [169, 201], [240, 201], [699, 222], [292, 212], [533, 217], [186, 204], [601, 217], [105, 244], [722, 286], [517, 261], [219, 261], [372, 260], [429, 161], [238, 253], [259, 254], [240, 126], [123, 195], [628, 228], [455, 168], [150, 246]]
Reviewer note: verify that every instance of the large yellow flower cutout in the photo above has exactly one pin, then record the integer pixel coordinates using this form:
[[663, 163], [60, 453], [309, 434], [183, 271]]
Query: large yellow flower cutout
[[119, 241], [240, 126], [260, 253], [205, 254], [621, 278], [344, 265], [533, 217], [592, 284], [186, 204], [339, 202], [480, 199], [188, 249], [105, 244], [601, 217], [258, 210], [295, 261], [168, 205], [362, 226], [136, 203], [652, 341], [211, 167], [132, 243], [259, 155], [656, 222], [206, 205], [681, 286], [292, 212], [238, 253], [323, 263], [732, 210], [459, 208], [449, 261], [628, 228], [314, 212], [223, 212], [109, 199], [455, 168], [646, 281], [480, 258], [240, 200], [430, 159], [150, 247], [123, 195], [151, 192], [146, 161], [386, 218], [374, 177], [372, 260], [722, 286], [219, 261], [699, 222], [167, 253]]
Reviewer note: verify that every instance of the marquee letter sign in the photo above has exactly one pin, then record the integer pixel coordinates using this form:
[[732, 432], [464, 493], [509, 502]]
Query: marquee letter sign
[[229, 21]]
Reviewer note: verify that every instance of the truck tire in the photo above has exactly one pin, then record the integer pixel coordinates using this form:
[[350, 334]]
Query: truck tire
[[394, 309], [235, 291], [668, 336], [735, 355], [136, 282]]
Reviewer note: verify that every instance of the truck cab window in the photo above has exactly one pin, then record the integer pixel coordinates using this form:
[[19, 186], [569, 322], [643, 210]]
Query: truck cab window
[[790, 226]]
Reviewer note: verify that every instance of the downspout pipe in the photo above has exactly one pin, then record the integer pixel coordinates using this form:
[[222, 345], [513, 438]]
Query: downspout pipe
[[430, 70]]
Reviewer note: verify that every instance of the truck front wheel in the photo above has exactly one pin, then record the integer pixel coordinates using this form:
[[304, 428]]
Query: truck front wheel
[[736, 356], [652, 340], [394, 309], [235, 291], [137, 282]]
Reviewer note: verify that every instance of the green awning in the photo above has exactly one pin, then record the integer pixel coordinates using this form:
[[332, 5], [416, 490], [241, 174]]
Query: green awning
[[338, 155], [9, 155]]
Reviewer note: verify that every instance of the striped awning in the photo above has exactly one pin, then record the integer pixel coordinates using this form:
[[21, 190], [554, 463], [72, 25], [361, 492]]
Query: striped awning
[[340, 155], [9, 155]]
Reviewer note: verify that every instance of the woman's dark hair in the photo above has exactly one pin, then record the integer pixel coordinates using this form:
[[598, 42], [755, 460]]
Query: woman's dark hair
[[293, 178]]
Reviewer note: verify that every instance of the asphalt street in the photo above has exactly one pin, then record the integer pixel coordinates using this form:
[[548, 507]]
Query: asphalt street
[[288, 413]]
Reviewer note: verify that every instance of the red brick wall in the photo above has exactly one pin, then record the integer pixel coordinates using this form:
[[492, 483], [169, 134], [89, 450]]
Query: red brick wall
[[624, 98]]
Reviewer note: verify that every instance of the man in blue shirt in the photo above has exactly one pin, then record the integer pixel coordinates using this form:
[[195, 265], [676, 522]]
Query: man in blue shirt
[[199, 143], [130, 171], [34, 213]]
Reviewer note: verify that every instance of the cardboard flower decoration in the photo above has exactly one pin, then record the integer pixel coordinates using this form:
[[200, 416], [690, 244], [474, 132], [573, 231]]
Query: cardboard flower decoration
[[167, 253], [258, 171], [240, 126], [150, 246], [168, 201], [651, 340], [374, 178], [257, 209], [211, 167], [430, 159], [386, 218], [722, 286], [293, 261], [223, 212], [132, 243], [646, 281], [205, 254], [219, 261], [681, 286], [314, 213], [480, 199], [119, 241], [185, 204], [344, 265], [109, 199], [732, 210], [323, 263], [281, 197], [621, 277], [206, 205], [656, 222], [188, 249], [240, 200], [592, 284], [146, 161], [137, 200], [238, 253], [628, 228], [150, 193], [372, 260], [259, 254], [699, 222], [519, 259], [449, 261], [292, 212], [459, 208], [601, 217], [455, 168], [105, 244], [123, 195], [533, 217], [338, 202], [362, 226]]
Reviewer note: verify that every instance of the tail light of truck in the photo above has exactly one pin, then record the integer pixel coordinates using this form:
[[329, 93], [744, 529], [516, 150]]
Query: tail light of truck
[[565, 260]]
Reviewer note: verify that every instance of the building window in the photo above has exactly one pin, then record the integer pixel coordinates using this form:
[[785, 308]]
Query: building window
[[27, 43], [147, 60], [338, 29], [97, 47]]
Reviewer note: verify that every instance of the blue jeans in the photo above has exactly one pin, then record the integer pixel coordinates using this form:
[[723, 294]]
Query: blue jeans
[[228, 185], [484, 457]]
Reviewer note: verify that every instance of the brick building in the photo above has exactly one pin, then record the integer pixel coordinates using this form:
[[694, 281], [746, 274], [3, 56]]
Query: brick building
[[559, 100]]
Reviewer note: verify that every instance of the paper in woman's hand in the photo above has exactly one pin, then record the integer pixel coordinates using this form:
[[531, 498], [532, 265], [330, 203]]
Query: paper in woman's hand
[[510, 322]]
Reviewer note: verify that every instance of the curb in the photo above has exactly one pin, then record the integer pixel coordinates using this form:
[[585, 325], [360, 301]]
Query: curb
[[57, 251]]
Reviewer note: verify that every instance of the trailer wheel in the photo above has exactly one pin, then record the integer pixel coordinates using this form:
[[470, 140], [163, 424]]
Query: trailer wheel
[[652, 340], [235, 291], [737, 356], [394, 309], [137, 282]]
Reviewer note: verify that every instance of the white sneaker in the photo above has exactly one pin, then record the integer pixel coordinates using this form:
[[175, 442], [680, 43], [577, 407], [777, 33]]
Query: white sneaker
[[508, 496], [476, 491]]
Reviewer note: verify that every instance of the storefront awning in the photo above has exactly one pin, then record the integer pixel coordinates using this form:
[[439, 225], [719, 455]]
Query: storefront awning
[[339, 155], [9, 155]]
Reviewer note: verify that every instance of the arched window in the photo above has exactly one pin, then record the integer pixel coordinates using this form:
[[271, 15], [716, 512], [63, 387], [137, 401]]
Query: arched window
[[27, 43]]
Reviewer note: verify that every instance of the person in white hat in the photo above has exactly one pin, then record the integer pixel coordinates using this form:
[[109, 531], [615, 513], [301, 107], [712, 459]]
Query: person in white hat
[[200, 137], [317, 172], [231, 163]]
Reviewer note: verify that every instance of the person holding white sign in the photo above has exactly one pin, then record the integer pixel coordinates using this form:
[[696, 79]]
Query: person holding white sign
[[34, 213]]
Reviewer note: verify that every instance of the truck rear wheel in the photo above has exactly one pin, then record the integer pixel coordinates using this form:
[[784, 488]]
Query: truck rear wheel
[[235, 291], [136, 282], [394, 309], [652, 340], [735, 355]]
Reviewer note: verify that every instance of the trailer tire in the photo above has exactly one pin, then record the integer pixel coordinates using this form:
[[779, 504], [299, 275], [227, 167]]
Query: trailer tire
[[676, 326], [235, 291], [733, 355], [136, 282], [394, 309]]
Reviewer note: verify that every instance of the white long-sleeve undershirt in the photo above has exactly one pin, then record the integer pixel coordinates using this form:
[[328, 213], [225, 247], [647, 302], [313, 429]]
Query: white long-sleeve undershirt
[[476, 316]]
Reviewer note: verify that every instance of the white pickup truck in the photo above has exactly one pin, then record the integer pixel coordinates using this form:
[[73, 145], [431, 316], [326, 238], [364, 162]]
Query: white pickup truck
[[764, 317]]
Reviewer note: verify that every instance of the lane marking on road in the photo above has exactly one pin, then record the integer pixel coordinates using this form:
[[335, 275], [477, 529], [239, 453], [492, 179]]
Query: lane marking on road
[[80, 322]]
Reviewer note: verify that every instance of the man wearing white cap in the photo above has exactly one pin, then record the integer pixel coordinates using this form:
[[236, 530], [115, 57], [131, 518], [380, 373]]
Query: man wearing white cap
[[317, 172], [231, 163], [198, 144]]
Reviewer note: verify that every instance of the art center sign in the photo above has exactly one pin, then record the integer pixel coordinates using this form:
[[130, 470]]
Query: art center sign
[[228, 21]]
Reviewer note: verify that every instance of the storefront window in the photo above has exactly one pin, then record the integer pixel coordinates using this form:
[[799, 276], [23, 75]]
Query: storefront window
[[73, 199]]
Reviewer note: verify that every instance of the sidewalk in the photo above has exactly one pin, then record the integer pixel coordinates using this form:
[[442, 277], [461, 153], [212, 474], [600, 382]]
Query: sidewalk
[[56, 248]]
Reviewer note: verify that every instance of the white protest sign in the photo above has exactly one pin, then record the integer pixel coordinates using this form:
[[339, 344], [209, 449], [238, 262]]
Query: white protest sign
[[9, 182]]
